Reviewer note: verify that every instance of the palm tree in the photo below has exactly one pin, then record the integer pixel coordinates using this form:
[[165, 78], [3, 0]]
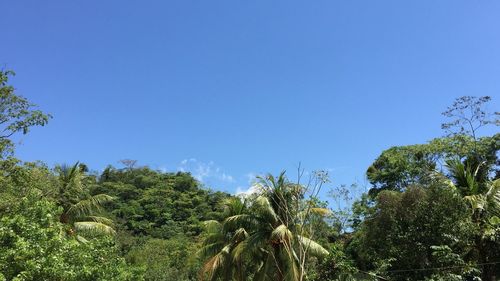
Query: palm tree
[[275, 241], [79, 207], [221, 245], [482, 194], [283, 220], [483, 197]]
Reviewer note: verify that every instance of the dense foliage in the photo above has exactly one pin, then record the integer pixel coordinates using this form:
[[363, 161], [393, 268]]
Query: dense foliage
[[159, 218], [160, 205], [34, 247]]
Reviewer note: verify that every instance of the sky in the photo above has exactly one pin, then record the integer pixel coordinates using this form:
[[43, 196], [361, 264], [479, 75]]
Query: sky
[[232, 89]]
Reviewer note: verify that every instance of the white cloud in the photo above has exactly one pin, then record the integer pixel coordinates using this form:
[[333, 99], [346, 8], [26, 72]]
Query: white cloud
[[247, 191], [253, 186], [204, 171]]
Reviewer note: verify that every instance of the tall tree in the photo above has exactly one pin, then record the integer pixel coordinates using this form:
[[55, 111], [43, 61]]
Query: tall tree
[[273, 234], [471, 176], [80, 209], [399, 167], [222, 245], [483, 197]]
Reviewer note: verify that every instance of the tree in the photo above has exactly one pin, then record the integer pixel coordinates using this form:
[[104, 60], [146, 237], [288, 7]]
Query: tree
[[274, 233], [282, 233], [79, 207], [469, 116], [342, 215], [337, 267], [463, 160], [17, 114], [19, 179], [32, 248], [470, 175], [400, 234], [128, 163], [483, 197], [401, 166], [221, 249]]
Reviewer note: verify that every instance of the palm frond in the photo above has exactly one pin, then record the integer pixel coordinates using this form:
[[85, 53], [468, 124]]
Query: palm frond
[[239, 235], [264, 209], [70, 176], [256, 242], [263, 270], [312, 247], [215, 237], [320, 211], [88, 206], [239, 250], [209, 250], [237, 221], [463, 176], [234, 206], [212, 226], [281, 234], [215, 264], [93, 228], [302, 215], [494, 191], [81, 239], [477, 201], [102, 220], [209, 268], [489, 201], [493, 197]]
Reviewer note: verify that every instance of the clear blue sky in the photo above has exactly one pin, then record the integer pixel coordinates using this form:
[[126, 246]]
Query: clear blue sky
[[228, 89]]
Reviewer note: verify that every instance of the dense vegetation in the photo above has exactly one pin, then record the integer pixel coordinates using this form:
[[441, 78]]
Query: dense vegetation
[[432, 213]]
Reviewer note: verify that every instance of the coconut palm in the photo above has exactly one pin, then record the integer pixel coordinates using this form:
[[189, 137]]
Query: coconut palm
[[275, 241], [483, 197], [80, 209], [482, 194], [220, 250], [282, 220]]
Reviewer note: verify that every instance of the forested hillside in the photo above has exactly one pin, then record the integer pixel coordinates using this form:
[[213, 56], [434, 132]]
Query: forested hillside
[[159, 218], [432, 213]]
